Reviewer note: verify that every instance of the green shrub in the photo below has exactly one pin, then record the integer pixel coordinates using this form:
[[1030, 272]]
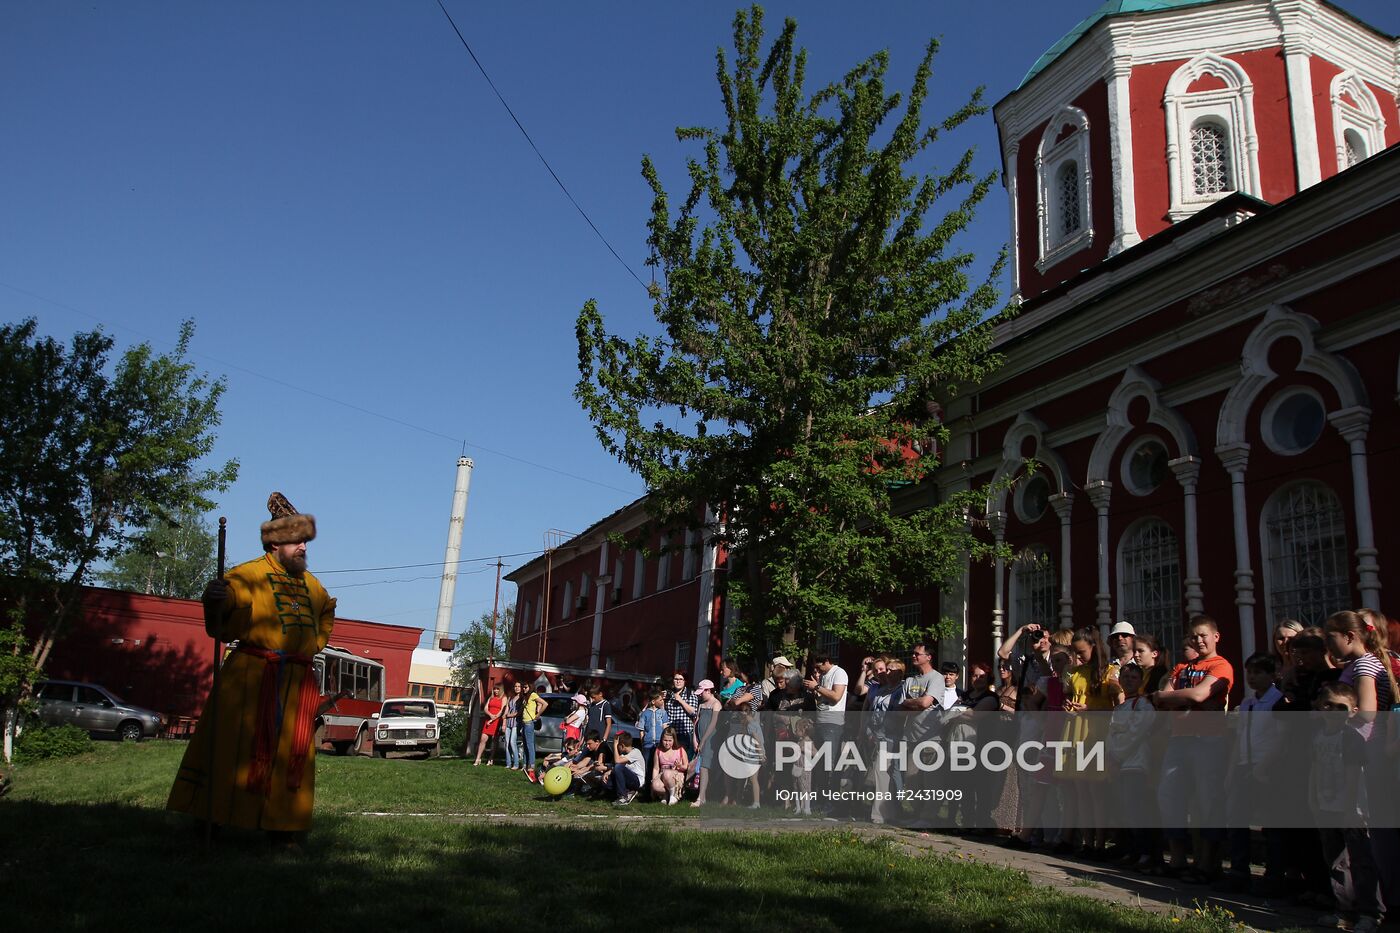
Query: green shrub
[[452, 731], [38, 742]]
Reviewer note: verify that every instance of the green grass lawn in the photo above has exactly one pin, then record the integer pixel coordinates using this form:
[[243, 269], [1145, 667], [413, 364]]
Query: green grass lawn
[[85, 845]]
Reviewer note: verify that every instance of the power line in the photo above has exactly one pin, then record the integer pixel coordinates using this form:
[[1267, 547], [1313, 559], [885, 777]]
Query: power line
[[435, 563], [543, 160]]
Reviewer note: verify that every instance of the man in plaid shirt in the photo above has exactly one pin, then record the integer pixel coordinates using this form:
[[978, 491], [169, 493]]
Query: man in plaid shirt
[[682, 704]]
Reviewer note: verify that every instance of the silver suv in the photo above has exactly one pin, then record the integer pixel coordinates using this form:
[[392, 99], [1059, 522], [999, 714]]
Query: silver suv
[[96, 709], [406, 724]]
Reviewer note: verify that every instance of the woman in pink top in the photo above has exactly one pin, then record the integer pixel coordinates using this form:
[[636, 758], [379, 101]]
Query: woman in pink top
[[668, 768]]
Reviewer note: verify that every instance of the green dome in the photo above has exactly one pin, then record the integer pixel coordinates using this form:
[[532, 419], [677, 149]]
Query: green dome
[[1111, 8]]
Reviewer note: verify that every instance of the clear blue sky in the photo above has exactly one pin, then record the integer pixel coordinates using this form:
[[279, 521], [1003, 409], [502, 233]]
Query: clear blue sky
[[334, 194]]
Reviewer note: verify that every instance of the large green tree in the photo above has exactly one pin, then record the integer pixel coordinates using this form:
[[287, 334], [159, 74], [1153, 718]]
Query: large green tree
[[811, 307], [175, 558], [91, 451], [475, 644]]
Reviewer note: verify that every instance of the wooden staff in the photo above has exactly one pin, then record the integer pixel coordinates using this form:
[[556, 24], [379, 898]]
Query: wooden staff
[[213, 709]]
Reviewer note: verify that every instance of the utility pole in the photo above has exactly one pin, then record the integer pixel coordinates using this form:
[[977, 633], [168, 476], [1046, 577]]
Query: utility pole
[[495, 610]]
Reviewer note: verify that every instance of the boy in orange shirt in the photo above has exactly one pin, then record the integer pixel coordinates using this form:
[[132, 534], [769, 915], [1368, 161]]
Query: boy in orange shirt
[[1193, 771]]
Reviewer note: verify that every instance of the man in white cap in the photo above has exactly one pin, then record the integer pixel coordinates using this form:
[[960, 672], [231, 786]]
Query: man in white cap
[[1120, 645], [777, 675]]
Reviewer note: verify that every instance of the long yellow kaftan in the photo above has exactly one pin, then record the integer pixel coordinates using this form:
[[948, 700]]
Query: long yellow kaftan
[[268, 608]]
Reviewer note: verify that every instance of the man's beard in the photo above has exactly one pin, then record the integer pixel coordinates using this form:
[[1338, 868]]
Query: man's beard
[[295, 564]]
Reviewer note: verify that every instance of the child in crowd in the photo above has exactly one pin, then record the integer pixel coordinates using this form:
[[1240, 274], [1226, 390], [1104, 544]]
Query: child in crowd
[[668, 768], [628, 771], [652, 722], [1254, 769], [573, 723], [1147, 652], [1130, 747], [600, 714], [570, 750], [1334, 790], [1193, 769]]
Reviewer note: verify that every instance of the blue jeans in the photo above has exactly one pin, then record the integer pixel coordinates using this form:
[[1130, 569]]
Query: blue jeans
[[512, 746], [624, 781], [527, 731]]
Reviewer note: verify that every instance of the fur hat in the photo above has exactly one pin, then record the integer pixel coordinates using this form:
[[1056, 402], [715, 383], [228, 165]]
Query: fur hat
[[287, 525]]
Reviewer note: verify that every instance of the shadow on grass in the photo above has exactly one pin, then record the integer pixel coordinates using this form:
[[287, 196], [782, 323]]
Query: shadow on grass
[[65, 867]]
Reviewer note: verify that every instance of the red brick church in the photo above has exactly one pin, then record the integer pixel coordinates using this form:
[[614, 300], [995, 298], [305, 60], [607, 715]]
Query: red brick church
[[1205, 217]]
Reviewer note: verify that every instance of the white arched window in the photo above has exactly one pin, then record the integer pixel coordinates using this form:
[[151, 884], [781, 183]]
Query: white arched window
[[1212, 148], [1149, 583], [1358, 125], [1305, 553], [1035, 589], [1062, 164]]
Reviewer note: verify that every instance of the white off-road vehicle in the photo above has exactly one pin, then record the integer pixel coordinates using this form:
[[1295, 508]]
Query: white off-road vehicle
[[406, 724]]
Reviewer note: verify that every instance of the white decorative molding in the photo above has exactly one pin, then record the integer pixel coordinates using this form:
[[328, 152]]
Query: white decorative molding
[[1011, 170], [1296, 24], [1136, 384], [1355, 110], [1255, 373], [1231, 108], [996, 521], [1025, 426], [1053, 159], [1120, 140]]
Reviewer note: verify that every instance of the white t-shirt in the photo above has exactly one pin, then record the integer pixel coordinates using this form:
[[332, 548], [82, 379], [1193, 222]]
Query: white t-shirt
[[635, 763], [829, 681]]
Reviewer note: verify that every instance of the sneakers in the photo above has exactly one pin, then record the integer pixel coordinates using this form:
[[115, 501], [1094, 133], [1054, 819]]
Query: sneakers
[[530, 776], [673, 796], [625, 799]]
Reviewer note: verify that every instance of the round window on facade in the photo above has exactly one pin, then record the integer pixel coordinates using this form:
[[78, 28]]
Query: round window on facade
[[1293, 421], [1145, 466], [1033, 498]]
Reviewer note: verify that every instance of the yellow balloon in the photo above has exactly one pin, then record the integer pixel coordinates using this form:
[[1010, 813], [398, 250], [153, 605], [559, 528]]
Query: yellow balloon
[[557, 780]]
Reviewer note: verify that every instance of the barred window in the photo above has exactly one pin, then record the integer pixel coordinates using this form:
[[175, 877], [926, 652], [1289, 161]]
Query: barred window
[[1305, 542], [1210, 158], [682, 656], [828, 644], [1149, 580], [909, 615], [1034, 589], [1067, 198]]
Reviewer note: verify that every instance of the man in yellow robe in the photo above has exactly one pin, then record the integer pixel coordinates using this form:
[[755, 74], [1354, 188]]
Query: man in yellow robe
[[260, 720]]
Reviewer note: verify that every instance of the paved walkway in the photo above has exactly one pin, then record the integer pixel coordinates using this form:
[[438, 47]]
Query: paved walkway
[[1073, 876]]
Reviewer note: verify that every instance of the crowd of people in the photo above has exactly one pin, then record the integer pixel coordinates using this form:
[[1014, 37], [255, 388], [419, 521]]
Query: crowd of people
[[1170, 771]]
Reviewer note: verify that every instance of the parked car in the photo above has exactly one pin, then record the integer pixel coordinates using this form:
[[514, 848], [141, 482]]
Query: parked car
[[406, 724], [550, 735], [96, 709]]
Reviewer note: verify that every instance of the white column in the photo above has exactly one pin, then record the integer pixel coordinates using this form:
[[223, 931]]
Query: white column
[[1353, 424], [603, 582], [1188, 471], [1297, 56], [1235, 457], [1120, 127], [996, 521], [1099, 492], [1062, 503]]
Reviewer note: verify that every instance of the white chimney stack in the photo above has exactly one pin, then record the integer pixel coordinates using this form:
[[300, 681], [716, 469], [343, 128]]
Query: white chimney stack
[[454, 549]]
